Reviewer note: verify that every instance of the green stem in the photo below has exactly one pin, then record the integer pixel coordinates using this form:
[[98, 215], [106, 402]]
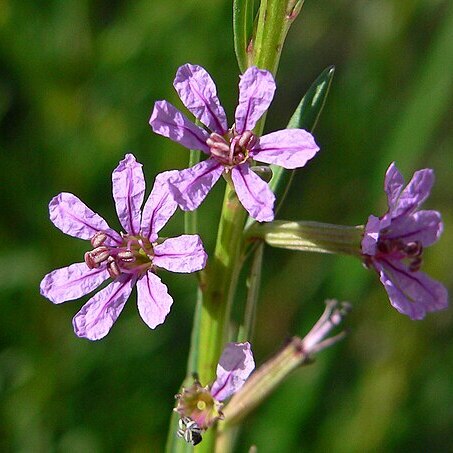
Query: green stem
[[253, 288], [218, 288], [309, 236], [274, 20]]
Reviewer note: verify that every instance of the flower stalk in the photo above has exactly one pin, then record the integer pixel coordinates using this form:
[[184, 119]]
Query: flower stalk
[[296, 353], [307, 236], [274, 20]]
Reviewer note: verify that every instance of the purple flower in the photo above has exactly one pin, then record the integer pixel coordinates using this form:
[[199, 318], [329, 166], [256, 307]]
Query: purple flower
[[203, 404], [130, 258], [394, 243], [230, 150]]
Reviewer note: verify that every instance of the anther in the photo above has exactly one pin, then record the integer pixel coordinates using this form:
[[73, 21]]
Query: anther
[[96, 256], [126, 256], [112, 267], [98, 239], [247, 140], [384, 246], [413, 248], [415, 264]]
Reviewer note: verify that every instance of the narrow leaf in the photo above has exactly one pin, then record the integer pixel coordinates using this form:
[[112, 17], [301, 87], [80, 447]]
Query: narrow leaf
[[243, 16], [305, 117]]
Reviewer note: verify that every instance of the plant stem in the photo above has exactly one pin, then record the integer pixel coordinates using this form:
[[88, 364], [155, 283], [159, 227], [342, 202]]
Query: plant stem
[[217, 285], [274, 20], [307, 236], [218, 288]]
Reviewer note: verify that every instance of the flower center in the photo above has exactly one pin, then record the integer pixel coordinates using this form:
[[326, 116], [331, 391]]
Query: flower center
[[197, 403], [231, 149], [133, 256], [397, 248]]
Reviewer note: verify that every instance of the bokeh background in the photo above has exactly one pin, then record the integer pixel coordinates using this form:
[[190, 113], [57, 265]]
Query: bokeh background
[[78, 79]]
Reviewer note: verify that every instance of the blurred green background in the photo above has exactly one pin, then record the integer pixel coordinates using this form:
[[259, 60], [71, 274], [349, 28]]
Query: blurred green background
[[78, 80]]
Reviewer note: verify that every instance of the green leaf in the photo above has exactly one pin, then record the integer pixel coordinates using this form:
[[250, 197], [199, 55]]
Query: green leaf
[[243, 17], [305, 117], [310, 107]]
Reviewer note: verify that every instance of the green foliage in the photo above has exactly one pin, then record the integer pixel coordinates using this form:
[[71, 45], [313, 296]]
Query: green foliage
[[77, 84]]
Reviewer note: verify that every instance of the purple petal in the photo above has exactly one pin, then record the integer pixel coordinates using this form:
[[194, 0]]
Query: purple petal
[[72, 282], [415, 193], [153, 300], [159, 207], [191, 186], [256, 91], [423, 226], [98, 315], [73, 217], [371, 235], [128, 193], [198, 93], [181, 254], [393, 185], [253, 193], [235, 366], [289, 148], [168, 121], [411, 293]]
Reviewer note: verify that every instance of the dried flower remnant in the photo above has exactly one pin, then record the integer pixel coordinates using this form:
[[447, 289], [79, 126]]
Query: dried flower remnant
[[393, 244], [130, 258], [297, 352], [203, 405], [231, 151]]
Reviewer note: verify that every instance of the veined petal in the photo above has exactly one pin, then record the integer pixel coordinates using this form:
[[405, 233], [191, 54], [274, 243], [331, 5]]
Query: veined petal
[[235, 366], [191, 186], [256, 91], [153, 300], [71, 282], [415, 193], [75, 218], [159, 207], [371, 235], [198, 93], [411, 293], [128, 192], [393, 185], [289, 148], [253, 193], [181, 254], [168, 121], [423, 226], [98, 315]]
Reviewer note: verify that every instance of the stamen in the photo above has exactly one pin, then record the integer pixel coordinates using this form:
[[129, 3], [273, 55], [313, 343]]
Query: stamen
[[94, 258], [126, 256], [98, 239], [247, 140], [112, 267], [384, 245], [413, 248], [416, 264]]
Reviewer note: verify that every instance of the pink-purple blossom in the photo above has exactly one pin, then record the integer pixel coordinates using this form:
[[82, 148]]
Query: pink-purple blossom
[[203, 404], [130, 258], [230, 150], [393, 244]]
